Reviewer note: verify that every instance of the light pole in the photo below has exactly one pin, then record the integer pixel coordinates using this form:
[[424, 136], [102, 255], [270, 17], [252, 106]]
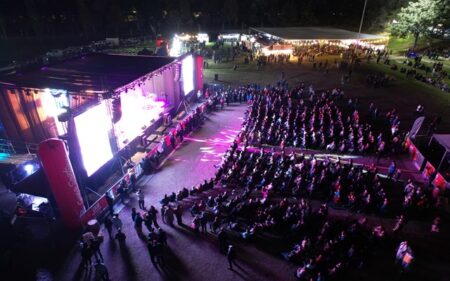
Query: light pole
[[362, 20]]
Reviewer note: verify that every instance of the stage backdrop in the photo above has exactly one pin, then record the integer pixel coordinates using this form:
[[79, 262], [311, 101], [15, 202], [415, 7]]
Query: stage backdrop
[[26, 115]]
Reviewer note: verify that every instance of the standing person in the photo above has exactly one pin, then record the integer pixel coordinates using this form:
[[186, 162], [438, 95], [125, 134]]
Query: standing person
[[223, 238], [196, 223], [204, 221], [154, 213], [159, 253], [86, 255], [162, 236], [380, 151], [151, 251], [121, 237], [110, 201], [117, 222], [231, 256], [133, 179], [95, 246], [391, 170], [133, 214], [101, 272], [179, 215], [163, 213], [148, 221], [122, 190], [169, 216], [108, 225], [141, 199], [138, 224]]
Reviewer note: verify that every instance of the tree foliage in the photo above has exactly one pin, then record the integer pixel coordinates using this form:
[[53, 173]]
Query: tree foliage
[[99, 18], [420, 17]]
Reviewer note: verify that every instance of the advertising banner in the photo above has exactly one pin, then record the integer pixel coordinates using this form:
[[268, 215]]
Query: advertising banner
[[59, 172]]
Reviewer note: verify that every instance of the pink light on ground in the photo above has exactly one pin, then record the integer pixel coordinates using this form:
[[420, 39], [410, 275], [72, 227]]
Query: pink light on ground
[[214, 147]]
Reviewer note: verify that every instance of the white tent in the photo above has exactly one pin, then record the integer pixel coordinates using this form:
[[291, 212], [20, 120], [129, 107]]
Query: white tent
[[444, 141]]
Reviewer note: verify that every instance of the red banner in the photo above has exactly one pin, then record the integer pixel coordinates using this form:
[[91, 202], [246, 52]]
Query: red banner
[[428, 171], [60, 176], [440, 181], [95, 210], [199, 72]]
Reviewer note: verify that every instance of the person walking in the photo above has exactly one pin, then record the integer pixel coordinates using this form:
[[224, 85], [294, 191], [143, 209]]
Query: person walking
[[231, 256]]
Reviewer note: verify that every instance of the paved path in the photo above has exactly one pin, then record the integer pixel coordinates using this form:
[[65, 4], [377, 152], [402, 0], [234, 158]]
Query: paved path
[[197, 258], [189, 257]]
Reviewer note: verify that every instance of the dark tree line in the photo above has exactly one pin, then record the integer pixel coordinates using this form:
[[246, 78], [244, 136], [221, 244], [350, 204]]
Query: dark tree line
[[100, 18]]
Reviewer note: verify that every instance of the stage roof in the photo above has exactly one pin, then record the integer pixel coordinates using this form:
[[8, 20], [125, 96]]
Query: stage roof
[[96, 72], [313, 33]]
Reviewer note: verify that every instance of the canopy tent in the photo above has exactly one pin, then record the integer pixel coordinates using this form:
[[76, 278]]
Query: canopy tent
[[301, 36], [444, 141], [276, 49], [314, 33]]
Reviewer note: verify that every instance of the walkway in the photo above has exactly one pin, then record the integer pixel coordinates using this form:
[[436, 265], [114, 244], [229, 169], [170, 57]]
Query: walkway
[[189, 257]]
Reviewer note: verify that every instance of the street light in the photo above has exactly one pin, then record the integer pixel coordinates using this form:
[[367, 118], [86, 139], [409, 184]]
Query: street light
[[362, 19]]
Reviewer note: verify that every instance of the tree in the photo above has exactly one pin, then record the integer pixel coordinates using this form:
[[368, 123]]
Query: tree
[[419, 17], [231, 12]]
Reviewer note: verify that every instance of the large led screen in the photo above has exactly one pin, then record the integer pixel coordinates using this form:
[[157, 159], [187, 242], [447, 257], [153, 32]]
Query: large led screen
[[138, 111], [93, 127], [187, 70]]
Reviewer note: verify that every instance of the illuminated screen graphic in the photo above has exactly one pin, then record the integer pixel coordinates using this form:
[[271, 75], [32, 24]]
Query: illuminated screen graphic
[[92, 132], [187, 70], [138, 111]]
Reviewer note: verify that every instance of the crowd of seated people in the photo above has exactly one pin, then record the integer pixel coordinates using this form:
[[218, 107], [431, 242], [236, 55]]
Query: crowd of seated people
[[326, 248], [354, 187], [302, 118], [378, 80], [270, 192], [320, 246]]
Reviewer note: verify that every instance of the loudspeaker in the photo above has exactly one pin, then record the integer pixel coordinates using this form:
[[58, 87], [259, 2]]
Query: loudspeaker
[[116, 109]]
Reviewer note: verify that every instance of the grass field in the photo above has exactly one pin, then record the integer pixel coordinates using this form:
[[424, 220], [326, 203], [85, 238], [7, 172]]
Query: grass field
[[400, 45], [402, 94], [133, 50]]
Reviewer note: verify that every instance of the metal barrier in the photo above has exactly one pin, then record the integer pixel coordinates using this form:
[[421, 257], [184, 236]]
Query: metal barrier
[[10, 147]]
